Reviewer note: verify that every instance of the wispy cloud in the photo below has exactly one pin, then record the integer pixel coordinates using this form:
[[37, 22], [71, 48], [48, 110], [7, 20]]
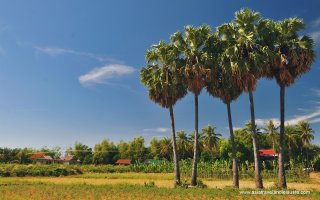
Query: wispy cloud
[[316, 23], [315, 91], [158, 130], [263, 122], [234, 128], [315, 35], [315, 29], [312, 117], [102, 75], [56, 51]]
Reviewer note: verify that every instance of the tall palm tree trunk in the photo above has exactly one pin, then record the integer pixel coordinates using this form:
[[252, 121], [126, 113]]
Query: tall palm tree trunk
[[174, 144], [195, 146], [273, 143], [281, 174], [307, 152], [235, 171], [257, 168]]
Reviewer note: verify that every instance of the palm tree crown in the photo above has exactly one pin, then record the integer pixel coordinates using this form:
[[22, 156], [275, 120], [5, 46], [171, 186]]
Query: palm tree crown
[[245, 52], [161, 77], [192, 46], [306, 132], [210, 138], [294, 54]]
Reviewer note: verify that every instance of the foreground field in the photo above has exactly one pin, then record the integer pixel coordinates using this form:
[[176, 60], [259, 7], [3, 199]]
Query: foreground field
[[138, 186]]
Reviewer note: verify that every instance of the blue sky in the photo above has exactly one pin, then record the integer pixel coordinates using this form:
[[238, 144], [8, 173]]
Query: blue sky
[[69, 70]]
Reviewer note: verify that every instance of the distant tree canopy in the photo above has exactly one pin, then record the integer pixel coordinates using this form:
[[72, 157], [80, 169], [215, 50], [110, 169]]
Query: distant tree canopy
[[214, 147]]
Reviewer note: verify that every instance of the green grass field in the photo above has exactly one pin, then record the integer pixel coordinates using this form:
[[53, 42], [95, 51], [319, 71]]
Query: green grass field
[[138, 186]]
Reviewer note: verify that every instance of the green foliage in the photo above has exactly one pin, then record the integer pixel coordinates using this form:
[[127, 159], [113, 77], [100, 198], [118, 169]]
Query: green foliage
[[81, 152], [218, 169], [37, 170], [104, 152]]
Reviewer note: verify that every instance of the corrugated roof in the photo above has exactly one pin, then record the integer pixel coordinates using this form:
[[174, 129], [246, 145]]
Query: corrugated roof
[[45, 158], [37, 155], [124, 161], [67, 158], [267, 152]]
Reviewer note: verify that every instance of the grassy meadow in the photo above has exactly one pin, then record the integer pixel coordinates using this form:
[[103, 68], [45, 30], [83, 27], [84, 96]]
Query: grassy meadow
[[142, 186]]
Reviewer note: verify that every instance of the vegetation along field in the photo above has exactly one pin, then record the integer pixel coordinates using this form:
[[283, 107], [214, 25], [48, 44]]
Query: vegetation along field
[[260, 158]]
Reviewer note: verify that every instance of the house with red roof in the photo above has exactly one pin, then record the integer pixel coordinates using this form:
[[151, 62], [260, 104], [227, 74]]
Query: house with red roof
[[124, 162], [41, 158], [267, 154], [68, 160]]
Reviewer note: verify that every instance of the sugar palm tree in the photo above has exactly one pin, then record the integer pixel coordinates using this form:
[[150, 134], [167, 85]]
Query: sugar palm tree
[[195, 72], [161, 77], [247, 57], [225, 87], [294, 57], [272, 132], [306, 134], [183, 144]]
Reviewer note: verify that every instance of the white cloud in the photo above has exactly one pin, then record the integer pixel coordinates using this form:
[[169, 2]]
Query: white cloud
[[263, 122], [315, 91], [56, 51], [315, 35], [315, 30], [101, 75], [235, 128], [316, 23], [158, 130], [313, 117], [317, 120]]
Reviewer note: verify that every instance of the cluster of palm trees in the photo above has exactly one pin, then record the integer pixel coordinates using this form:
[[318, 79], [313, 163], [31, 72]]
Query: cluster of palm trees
[[208, 144], [227, 63]]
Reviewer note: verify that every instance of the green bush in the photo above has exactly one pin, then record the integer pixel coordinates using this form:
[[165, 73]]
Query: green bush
[[218, 169]]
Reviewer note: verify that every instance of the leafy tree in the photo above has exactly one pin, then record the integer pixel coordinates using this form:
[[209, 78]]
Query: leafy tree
[[291, 139], [272, 132], [155, 148], [104, 152], [210, 139], [166, 148], [137, 149], [123, 149], [81, 152], [183, 145], [306, 135]]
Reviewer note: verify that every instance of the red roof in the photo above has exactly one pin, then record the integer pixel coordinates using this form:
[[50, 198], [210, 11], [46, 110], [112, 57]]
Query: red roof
[[267, 152], [124, 161], [37, 155]]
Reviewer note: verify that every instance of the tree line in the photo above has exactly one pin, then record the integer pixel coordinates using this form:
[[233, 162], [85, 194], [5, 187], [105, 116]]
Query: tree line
[[228, 62], [299, 148]]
